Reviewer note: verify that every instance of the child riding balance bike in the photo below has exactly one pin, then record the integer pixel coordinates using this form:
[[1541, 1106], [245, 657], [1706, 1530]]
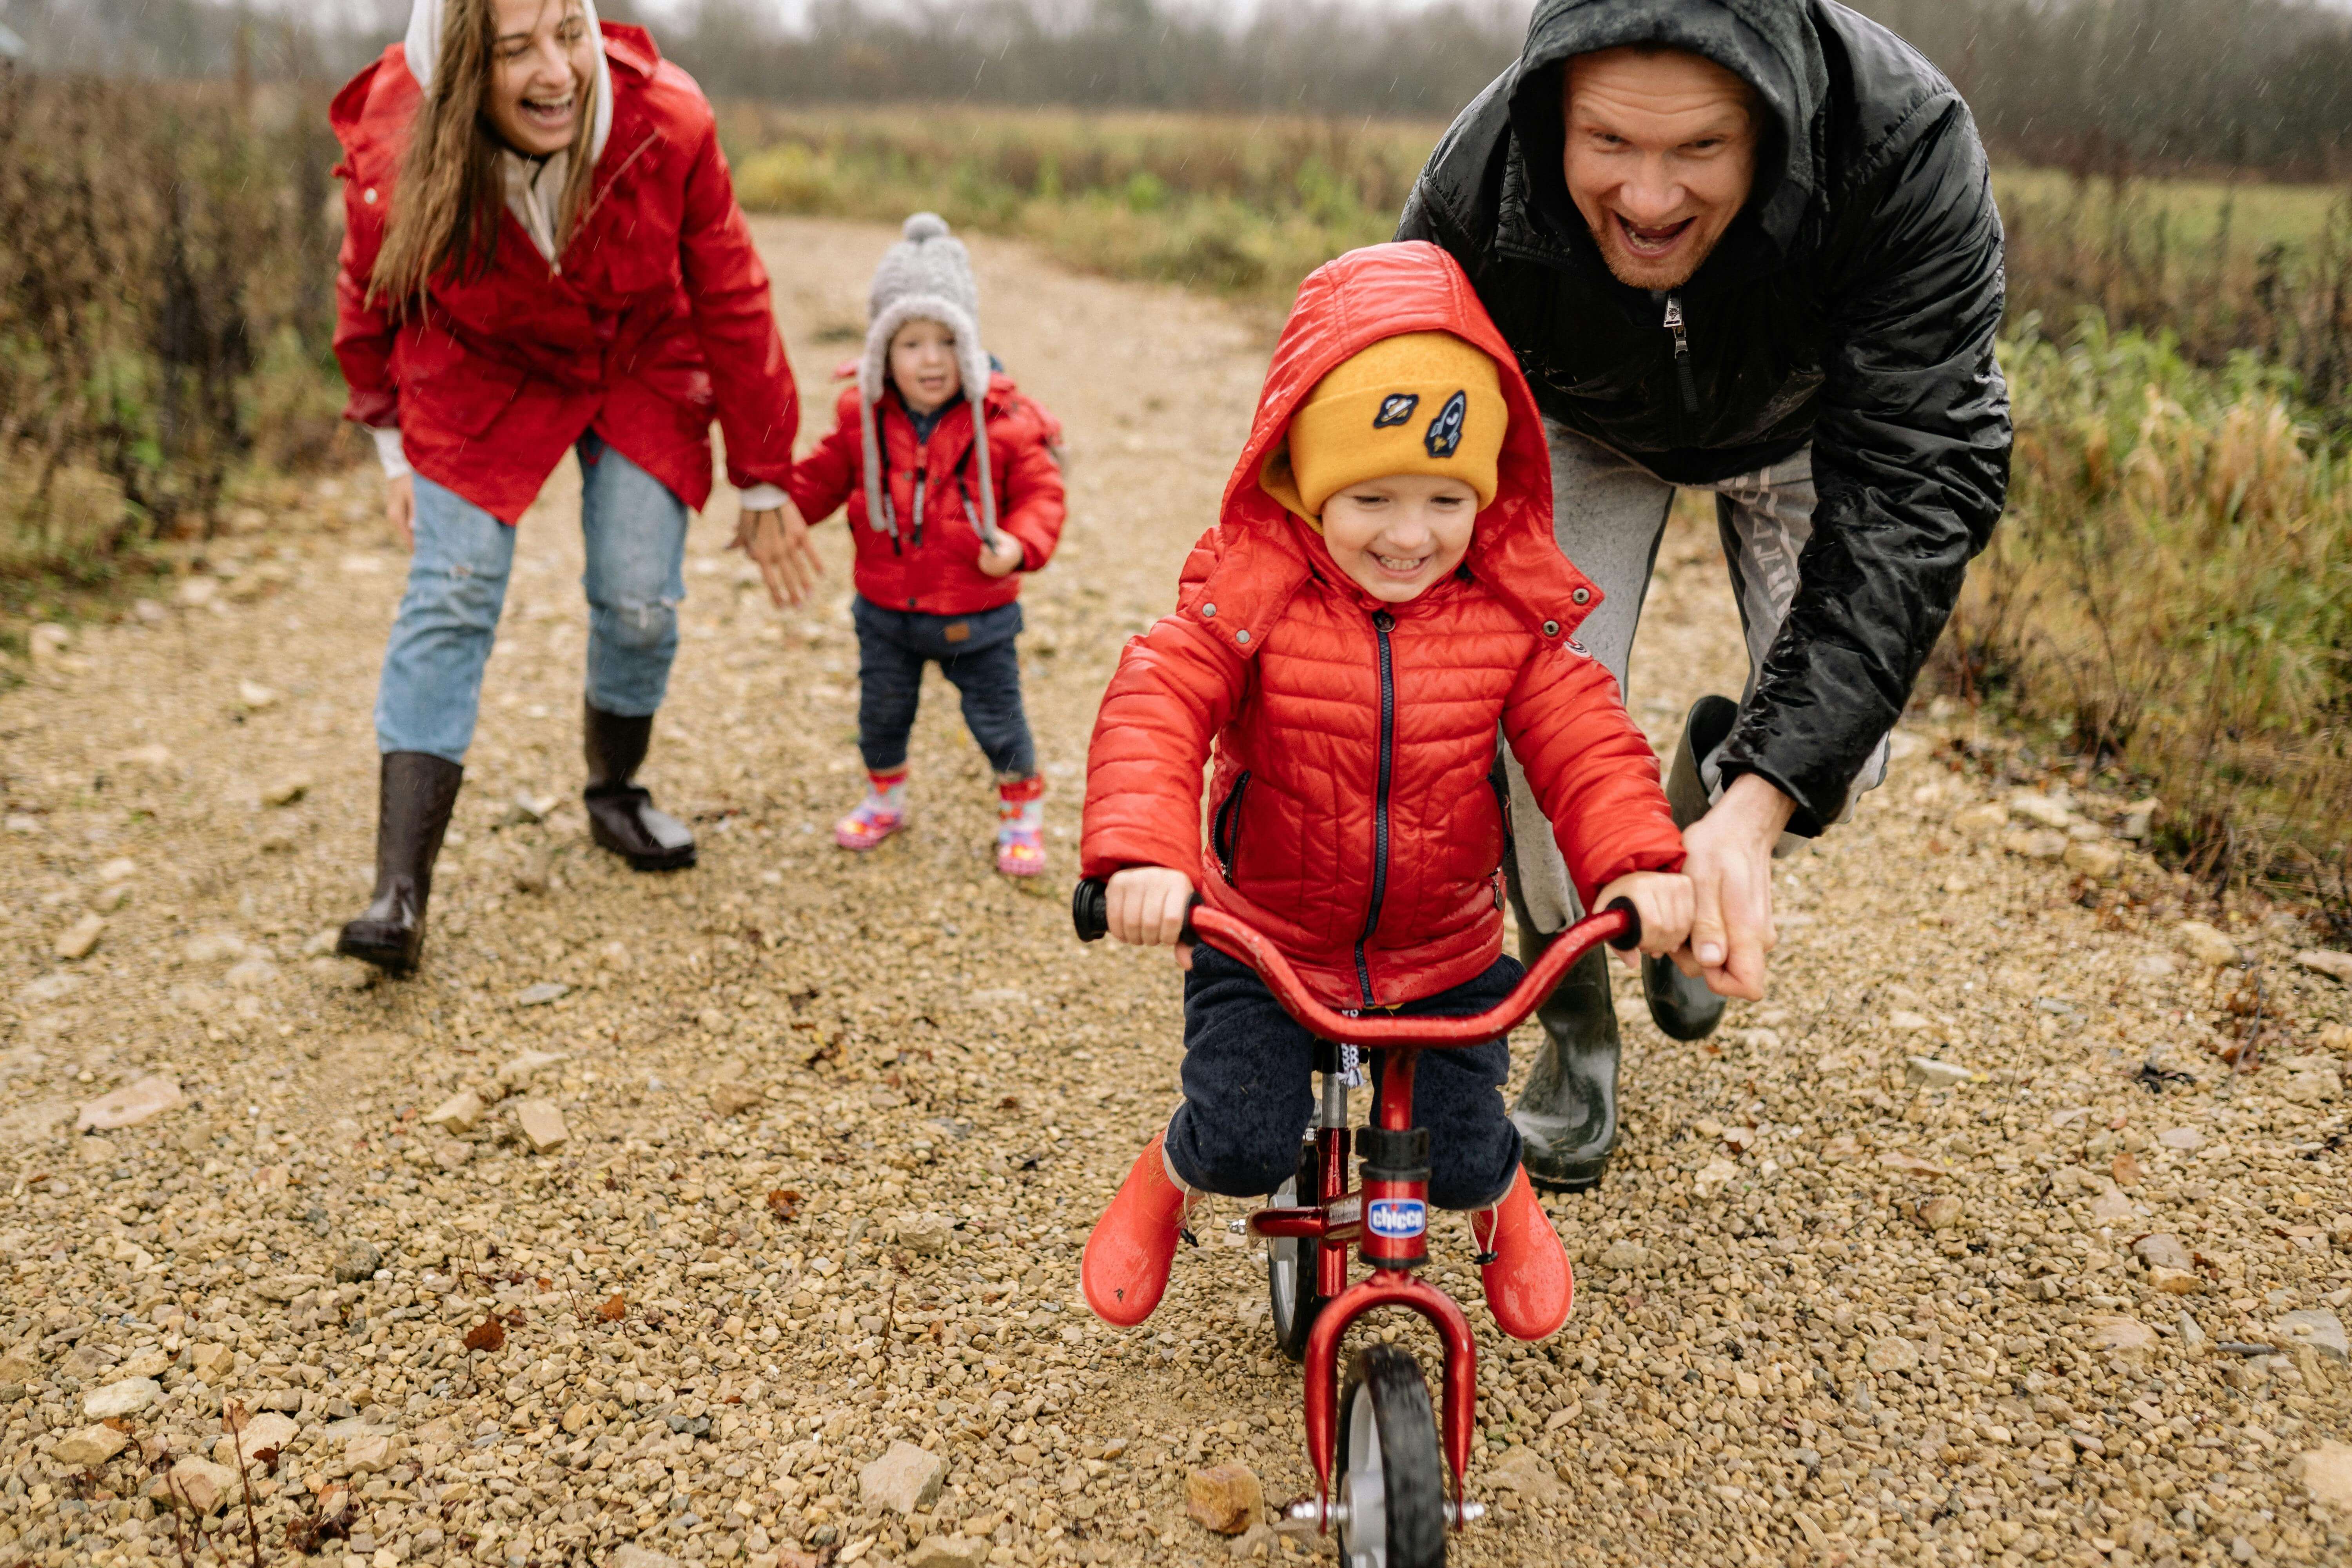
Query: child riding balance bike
[[1380, 598]]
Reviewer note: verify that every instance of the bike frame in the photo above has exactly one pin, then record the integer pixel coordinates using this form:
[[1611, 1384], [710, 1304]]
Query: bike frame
[[1387, 1220]]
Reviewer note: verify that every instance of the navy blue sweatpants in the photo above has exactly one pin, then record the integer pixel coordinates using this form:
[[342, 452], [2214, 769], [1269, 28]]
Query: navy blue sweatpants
[[1249, 1089], [977, 655]]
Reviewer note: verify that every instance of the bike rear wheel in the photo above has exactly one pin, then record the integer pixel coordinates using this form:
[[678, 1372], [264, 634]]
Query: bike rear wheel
[[1389, 1483], [1292, 1263]]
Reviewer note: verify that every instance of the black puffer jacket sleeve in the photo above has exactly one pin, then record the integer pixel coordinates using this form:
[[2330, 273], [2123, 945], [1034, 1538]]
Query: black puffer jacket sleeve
[[1910, 458]]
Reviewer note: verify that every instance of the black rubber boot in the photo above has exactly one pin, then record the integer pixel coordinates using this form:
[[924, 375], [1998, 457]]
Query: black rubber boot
[[1567, 1115], [1681, 1005], [621, 815], [415, 796]]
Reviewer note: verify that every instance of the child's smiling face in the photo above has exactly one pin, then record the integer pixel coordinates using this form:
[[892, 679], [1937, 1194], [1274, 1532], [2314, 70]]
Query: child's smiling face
[[1398, 535], [923, 365]]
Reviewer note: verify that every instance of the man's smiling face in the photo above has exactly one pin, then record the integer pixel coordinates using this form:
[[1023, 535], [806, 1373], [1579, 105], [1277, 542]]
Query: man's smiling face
[[1660, 157]]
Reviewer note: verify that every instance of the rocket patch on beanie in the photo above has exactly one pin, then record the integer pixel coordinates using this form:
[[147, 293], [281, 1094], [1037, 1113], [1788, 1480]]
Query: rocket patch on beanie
[[1420, 402]]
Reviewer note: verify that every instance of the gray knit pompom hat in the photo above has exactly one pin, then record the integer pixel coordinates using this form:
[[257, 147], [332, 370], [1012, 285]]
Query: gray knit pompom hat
[[926, 276]]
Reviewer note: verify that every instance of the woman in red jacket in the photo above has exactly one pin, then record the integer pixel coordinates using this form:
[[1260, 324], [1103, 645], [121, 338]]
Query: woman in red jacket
[[543, 253], [1381, 596], [953, 492]]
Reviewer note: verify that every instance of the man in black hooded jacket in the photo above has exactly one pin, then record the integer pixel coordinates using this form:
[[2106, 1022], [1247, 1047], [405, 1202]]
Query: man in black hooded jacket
[[1748, 246]]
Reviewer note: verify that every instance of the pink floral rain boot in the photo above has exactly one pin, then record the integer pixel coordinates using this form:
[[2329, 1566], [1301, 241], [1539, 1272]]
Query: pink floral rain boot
[[882, 813], [1021, 826]]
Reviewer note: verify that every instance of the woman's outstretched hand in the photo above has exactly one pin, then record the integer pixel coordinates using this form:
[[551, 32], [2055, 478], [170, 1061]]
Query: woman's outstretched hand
[[778, 542], [400, 508]]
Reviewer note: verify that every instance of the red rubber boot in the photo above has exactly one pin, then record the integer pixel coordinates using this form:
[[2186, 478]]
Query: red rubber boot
[[1125, 1270], [1529, 1288]]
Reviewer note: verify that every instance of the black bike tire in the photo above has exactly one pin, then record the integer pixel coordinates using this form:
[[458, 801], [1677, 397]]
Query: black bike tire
[[1290, 1329], [1413, 1473]]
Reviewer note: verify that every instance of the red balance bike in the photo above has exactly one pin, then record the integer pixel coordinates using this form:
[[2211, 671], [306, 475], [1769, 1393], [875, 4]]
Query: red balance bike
[[1375, 1445]]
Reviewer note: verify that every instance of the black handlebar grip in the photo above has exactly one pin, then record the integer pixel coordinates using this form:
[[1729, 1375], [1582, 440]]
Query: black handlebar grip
[[1090, 909], [1632, 937]]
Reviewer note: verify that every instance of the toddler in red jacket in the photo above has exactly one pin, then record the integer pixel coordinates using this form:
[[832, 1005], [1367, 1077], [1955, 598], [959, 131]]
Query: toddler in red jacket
[[953, 492], [1381, 597]]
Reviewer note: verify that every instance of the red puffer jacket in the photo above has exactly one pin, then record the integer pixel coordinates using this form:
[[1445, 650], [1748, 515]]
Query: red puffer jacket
[[658, 314], [1352, 817], [933, 565]]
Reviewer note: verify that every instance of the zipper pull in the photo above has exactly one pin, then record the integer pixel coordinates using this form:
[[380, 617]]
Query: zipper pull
[[1682, 376], [920, 476]]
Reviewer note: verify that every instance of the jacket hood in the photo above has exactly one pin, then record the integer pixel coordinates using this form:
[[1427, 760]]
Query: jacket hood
[[1769, 44], [1346, 305]]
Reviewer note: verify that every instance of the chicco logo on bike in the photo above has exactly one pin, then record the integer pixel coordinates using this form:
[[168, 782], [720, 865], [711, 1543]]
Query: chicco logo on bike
[[1398, 1217]]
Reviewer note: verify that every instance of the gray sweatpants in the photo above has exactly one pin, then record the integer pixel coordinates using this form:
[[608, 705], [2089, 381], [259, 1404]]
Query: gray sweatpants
[[1609, 514]]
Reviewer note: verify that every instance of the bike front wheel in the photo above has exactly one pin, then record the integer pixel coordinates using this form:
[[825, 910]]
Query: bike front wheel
[[1389, 1481]]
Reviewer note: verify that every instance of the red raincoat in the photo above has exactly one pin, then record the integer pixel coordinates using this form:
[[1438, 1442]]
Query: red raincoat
[[657, 316], [1351, 813], [933, 565]]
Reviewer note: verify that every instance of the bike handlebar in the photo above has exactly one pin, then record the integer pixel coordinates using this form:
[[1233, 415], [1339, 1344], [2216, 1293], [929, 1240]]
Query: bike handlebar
[[1617, 925]]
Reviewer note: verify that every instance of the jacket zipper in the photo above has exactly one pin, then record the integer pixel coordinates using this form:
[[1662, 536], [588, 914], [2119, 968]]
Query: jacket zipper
[[1683, 377], [1226, 837], [1495, 780], [1383, 622], [920, 476]]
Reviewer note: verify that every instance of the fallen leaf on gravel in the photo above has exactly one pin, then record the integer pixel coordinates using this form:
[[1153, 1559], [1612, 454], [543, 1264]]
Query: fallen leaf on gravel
[[489, 1334], [615, 1309], [783, 1203], [2127, 1170]]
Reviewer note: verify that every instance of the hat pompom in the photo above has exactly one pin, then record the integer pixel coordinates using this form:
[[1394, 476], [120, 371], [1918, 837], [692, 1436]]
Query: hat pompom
[[926, 226]]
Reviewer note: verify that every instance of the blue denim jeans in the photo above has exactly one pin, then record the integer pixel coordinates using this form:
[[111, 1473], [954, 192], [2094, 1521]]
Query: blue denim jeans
[[975, 652], [635, 531]]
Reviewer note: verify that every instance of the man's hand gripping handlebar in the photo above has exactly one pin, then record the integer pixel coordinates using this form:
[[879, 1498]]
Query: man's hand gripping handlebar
[[1617, 925]]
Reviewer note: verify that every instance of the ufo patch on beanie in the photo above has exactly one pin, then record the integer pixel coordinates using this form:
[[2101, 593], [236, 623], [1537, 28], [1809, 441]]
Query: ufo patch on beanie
[[1395, 409], [1445, 430]]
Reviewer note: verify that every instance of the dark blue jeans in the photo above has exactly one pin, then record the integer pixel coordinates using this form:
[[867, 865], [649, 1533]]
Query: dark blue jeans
[[1249, 1089], [976, 653]]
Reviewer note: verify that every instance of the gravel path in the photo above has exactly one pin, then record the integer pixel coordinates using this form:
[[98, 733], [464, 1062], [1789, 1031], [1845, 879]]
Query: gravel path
[[754, 1172]]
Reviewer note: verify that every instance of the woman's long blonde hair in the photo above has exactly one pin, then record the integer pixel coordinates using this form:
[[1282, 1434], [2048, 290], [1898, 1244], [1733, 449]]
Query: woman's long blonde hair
[[445, 209]]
